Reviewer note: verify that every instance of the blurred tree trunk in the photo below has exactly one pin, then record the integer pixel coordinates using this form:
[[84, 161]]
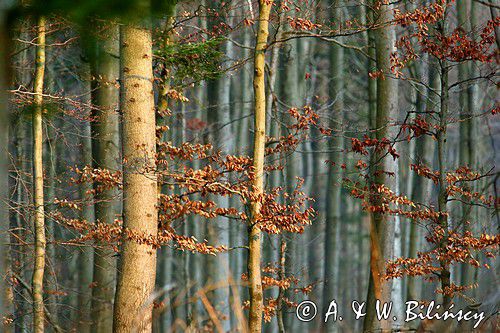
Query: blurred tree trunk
[[494, 11], [420, 185], [290, 95], [470, 273], [254, 233], [441, 137], [38, 200], [85, 256], [133, 308], [219, 102], [51, 166], [164, 276], [382, 226], [466, 21], [4, 149], [334, 185], [105, 155], [442, 192], [19, 210]]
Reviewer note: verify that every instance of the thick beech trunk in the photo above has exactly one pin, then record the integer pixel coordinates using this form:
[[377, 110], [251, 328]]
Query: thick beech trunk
[[136, 273]]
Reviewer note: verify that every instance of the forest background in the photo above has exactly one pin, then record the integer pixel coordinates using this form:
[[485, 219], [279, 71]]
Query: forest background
[[207, 165]]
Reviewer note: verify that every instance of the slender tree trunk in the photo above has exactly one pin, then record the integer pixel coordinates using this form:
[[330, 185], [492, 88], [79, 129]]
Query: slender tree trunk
[[494, 11], [290, 93], [420, 185], [85, 256], [445, 276], [467, 102], [254, 232], [382, 227], [218, 95], [133, 309], [19, 207], [336, 144], [282, 276], [4, 139], [106, 155], [51, 164], [165, 256], [40, 243]]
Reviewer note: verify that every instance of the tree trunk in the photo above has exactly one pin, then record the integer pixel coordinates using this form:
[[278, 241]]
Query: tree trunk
[[254, 233], [106, 155], [219, 114], [40, 243], [443, 191], [4, 140], [420, 185], [133, 308], [290, 93], [85, 256], [164, 276], [333, 205], [467, 102], [19, 213], [382, 226]]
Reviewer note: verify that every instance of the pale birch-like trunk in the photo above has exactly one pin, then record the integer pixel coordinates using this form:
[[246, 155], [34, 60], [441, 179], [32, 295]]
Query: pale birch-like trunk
[[38, 200], [254, 232]]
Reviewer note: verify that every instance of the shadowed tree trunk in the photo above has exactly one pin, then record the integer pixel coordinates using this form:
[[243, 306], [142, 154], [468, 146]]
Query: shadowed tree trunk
[[4, 217], [291, 96], [466, 21], [19, 212], [106, 155], [136, 273], [85, 256], [219, 107], [382, 226], [333, 209], [254, 233], [420, 185], [164, 270], [445, 276]]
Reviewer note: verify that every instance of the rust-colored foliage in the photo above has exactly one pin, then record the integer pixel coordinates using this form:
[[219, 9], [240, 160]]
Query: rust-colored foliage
[[190, 191]]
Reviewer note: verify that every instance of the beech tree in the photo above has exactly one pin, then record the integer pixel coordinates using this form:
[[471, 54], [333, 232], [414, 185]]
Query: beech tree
[[133, 307], [254, 236], [106, 155], [40, 241]]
